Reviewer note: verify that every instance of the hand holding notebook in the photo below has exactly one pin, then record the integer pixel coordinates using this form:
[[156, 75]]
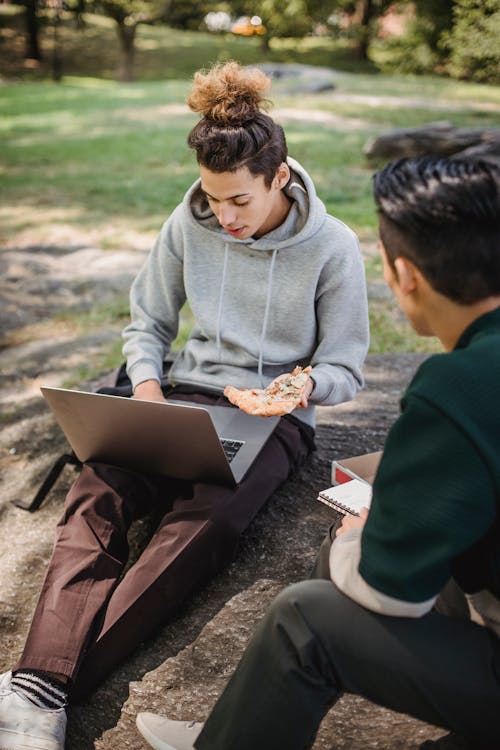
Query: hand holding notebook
[[348, 497]]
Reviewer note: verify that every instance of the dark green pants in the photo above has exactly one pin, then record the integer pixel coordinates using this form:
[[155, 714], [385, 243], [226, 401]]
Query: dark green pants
[[314, 643]]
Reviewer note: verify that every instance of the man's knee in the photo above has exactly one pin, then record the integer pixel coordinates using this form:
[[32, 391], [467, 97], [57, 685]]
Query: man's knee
[[311, 596], [307, 606], [297, 631], [316, 611]]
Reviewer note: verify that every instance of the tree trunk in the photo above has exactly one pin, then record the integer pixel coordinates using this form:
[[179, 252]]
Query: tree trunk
[[264, 43], [79, 11], [126, 35], [365, 24], [57, 50], [33, 51]]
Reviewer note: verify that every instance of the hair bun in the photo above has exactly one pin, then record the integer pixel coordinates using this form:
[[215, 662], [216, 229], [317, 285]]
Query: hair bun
[[229, 94]]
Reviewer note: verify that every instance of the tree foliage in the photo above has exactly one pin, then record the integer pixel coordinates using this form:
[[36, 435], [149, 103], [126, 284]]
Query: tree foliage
[[133, 12], [187, 14], [473, 42], [128, 14], [366, 15], [437, 17], [457, 37], [419, 49], [282, 19]]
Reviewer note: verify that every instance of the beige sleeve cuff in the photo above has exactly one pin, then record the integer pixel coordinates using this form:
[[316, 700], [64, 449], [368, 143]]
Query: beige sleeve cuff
[[345, 555]]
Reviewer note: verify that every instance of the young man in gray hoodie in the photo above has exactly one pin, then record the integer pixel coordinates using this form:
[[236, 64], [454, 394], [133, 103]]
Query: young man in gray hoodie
[[273, 282], [404, 604]]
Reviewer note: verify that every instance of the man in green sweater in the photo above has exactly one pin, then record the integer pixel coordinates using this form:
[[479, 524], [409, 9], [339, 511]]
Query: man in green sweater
[[406, 612]]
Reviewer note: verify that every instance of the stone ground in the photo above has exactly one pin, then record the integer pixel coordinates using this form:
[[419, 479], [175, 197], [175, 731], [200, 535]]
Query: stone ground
[[183, 669]]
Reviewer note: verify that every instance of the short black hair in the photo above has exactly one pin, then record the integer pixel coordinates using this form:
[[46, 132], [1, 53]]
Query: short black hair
[[444, 216]]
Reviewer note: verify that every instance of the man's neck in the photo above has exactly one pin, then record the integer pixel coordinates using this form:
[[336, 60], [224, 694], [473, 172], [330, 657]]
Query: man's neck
[[453, 319], [277, 216]]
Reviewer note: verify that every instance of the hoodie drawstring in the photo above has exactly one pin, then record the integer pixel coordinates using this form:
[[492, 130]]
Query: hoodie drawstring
[[266, 309], [266, 316], [221, 297]]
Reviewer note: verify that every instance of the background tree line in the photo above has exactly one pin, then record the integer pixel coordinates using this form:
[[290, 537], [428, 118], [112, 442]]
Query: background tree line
[[452, 37]]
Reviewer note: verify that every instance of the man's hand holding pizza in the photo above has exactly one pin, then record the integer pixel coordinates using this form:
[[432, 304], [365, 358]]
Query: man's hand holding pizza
[[284, 394]]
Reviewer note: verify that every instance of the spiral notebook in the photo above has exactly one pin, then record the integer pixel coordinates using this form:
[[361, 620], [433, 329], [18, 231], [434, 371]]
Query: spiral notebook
[[348, 497]]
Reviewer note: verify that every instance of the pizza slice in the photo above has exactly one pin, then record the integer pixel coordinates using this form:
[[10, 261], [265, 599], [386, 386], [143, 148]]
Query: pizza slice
[[280, 397]]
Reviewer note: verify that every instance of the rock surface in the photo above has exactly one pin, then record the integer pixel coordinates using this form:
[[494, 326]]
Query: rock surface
[[187, 685], [278, 548], [183, 668], [301, 79], [439, 138]]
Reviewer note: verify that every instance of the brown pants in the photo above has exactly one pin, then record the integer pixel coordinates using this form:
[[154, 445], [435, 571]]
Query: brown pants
[[88, 618]]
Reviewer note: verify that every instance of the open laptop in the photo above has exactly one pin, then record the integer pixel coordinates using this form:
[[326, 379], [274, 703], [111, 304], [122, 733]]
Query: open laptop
[[176, 438]]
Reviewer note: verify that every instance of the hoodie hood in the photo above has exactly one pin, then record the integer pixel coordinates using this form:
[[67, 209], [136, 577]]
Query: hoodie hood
[[305, 217]]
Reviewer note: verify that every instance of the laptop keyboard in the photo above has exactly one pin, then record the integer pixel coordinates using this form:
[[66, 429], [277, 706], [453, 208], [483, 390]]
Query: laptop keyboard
[[231, 447]]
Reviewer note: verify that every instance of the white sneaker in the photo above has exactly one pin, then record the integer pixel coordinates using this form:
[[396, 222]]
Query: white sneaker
[[24, 726], [165, 734]]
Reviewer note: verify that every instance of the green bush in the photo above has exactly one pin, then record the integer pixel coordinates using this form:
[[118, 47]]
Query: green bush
[[419, 49], [461, 40], [410, 53], [473, 42]]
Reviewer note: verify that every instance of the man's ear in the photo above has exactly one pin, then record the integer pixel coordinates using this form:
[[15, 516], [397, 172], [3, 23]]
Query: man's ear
[[407, 275], [282, 175]]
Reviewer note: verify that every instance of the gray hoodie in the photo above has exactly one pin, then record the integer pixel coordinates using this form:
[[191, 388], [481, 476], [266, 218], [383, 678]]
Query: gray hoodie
[[295, 296]]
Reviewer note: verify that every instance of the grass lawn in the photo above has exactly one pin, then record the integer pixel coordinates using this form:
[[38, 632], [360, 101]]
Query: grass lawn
[[92, 160]]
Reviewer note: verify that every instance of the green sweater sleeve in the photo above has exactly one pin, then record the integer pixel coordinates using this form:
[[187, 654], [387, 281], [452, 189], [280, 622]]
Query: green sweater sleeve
[[432, 500]]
